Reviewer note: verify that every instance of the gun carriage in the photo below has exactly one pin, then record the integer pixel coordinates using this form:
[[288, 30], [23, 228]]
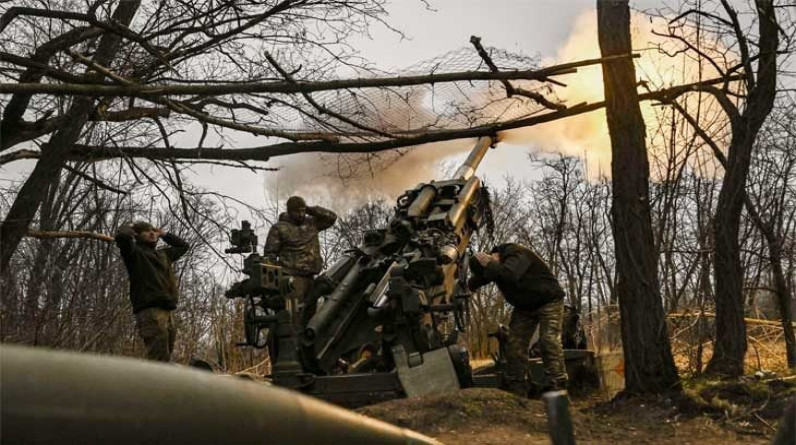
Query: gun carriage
[[393, 307]]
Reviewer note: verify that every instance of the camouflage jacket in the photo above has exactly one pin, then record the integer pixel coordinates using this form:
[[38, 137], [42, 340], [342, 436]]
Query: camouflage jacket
[[522, 276], [296, 246], [152, 279]]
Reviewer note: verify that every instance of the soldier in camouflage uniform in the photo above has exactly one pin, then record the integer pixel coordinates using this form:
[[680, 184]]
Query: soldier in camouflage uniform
[[538, 300], [293, 243], [153, 285]]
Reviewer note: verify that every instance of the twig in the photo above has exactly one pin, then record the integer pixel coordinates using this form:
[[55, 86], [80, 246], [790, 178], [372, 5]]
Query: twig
[[764, 422], [757, 321], [255, 366], [95, 181], [510, 89], [321, 109]]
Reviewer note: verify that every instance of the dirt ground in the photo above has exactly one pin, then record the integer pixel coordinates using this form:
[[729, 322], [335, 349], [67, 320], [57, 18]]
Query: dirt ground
[[490, 416]]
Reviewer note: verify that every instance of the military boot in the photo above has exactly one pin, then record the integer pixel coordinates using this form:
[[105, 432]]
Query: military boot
[[517, 387]]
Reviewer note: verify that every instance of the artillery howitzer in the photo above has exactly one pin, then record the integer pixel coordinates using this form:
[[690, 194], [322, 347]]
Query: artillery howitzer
[[392, 307]]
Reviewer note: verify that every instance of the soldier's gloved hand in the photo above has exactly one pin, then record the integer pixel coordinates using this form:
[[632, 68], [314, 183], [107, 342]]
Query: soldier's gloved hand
[[475, 266]]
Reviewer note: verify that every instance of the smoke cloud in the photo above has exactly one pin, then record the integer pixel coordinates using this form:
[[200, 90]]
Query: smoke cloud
[[386, 175], [346, 181], [586, 135]]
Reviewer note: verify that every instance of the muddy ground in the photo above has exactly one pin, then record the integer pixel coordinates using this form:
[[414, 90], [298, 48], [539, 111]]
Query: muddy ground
[[707, 414]]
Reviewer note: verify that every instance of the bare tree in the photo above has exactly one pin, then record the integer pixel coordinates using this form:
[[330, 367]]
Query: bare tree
[[649, 365], [72, 292], [130, 42], [771, 208], [746, 108], [268, 68]]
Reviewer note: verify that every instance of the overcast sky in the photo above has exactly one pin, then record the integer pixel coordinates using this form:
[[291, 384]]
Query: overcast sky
[[531, 28]]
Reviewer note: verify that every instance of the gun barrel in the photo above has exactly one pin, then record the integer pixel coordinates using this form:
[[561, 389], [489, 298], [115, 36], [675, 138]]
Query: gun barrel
[[58, 397], [457, 213], [331, 307], [423, 200], [467, 170]]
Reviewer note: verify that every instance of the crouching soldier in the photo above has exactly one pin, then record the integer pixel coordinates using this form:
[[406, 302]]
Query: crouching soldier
[[153, 285], [538, 300], [293, 243]]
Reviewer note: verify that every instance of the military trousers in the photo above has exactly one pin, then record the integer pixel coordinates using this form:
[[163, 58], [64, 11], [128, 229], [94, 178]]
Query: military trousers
[[158, 330], [521, 328]]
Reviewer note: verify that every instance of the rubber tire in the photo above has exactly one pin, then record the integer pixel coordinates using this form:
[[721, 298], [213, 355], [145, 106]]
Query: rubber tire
[[460, 357]]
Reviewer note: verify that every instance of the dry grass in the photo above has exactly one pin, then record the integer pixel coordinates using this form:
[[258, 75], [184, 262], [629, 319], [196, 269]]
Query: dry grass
[[692, 345], [765, 353]]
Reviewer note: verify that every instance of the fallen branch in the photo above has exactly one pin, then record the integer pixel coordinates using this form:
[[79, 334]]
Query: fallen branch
[[287, 87], [69, 234], [756, 321], [264, 153]]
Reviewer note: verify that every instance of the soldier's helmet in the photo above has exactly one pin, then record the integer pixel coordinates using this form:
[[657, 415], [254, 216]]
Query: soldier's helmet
[[295, 203]]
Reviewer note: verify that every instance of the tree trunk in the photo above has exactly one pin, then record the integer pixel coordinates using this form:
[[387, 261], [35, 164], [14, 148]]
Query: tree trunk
[[783, 300], [774, 241], [54, 154], [649, 365], [730, 345], [729, 349]]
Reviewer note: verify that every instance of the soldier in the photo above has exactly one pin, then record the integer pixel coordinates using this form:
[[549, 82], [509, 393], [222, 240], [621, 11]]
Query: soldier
[[153, 285], [538, 300], [293, 242]]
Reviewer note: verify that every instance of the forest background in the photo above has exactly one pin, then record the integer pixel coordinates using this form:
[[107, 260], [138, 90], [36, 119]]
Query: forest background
[[71, 293]]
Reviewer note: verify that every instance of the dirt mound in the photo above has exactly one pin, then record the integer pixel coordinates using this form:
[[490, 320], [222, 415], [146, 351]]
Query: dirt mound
[[477, 415], [488, 416], [749, 406], [652, 420], [766, 398]]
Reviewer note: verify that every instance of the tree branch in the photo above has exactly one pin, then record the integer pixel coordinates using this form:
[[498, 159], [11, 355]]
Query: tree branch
[[41, 67], [95, 181], [668, 95], [264, 153], [702, 13], [112, 25], [206, 118], [133, 113], [298, 87], [754, 214], [321, 109], [69, 234], [15, 11], [743, 45], [18, 104], [19, 155], [510, 89]]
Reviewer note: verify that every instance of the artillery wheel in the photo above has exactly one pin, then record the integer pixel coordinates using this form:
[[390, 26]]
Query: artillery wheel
[[460, 357]]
